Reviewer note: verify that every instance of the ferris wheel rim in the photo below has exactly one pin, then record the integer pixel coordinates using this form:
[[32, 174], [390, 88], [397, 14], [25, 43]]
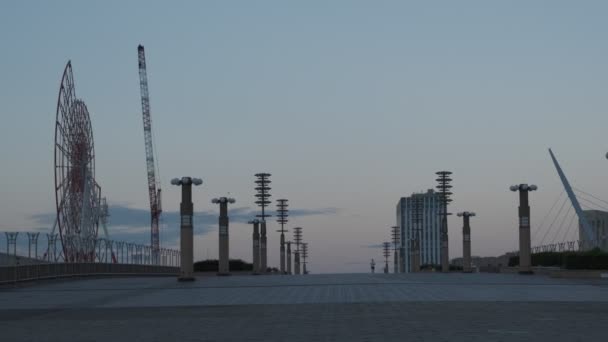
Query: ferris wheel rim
[[74, 160]]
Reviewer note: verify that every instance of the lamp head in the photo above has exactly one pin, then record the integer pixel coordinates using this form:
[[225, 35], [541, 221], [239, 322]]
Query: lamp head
[[197, 181], [176, 181], [514, 187]]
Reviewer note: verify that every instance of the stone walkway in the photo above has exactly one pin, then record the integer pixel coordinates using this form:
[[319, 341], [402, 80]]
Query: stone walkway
[[345, 307]]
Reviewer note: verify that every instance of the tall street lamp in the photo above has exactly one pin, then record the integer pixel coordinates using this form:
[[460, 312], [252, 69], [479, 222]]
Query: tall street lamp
[[186, 227], [282, 214], [444, 187], [256, 245], [466, 240], [297, 237], [288, 257], [263, 195], [224, 256], [386, 251], [395, 236], [525, 249]]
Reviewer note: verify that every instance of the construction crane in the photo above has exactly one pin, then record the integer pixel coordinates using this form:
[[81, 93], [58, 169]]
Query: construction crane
[[154, 194]]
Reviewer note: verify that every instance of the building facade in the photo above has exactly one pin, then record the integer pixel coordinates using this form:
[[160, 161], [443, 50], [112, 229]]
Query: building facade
[[599, 226], [430, 247]]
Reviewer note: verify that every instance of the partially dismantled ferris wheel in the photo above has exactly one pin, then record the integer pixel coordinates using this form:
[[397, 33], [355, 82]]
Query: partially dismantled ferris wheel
[[77, 194]]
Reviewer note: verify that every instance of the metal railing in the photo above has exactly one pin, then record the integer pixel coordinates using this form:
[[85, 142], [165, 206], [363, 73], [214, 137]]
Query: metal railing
[[44, 271], [566, 246]]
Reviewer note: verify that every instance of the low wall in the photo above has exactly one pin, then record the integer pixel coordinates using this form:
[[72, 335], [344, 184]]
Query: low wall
[[23, 273]]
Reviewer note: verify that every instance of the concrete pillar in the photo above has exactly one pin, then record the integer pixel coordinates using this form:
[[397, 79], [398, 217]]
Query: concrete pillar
[[296, 262], [186, 209], [466, 245], [224, 255], [445, 253], [256, 246], [525, 249], [263, 249], [466, 241], [288, 256], [525, 253]]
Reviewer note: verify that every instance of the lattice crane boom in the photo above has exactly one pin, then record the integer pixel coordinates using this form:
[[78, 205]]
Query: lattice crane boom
[[154, 194]]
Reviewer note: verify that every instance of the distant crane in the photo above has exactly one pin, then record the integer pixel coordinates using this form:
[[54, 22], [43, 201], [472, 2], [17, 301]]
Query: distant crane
[[154, 194]]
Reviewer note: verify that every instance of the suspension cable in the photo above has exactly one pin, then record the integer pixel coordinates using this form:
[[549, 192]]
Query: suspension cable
[[542, 222], [569, 227], [561, 225], [588, 194], [554, 220]]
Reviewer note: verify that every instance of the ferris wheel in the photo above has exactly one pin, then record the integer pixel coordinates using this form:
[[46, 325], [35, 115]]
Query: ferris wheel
[[77, 194]]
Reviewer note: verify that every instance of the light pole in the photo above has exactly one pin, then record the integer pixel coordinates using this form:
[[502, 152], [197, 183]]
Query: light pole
[[263, 179], [256, 245], [288, 256], [466, 240], [297, 237], [224, 257], [525, 250], [282, 213], [386, 252], [395, 236], [444, 188], [304, 256], [186, 211], [417, 208]]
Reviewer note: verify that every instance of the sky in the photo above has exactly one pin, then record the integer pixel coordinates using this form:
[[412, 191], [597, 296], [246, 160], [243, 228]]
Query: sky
[[350, 105]]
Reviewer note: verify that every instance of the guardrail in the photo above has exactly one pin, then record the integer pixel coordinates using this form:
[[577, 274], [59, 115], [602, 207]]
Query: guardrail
[[44, 271]]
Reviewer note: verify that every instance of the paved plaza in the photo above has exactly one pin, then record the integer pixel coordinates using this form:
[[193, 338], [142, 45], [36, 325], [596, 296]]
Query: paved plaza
[[344, 307]]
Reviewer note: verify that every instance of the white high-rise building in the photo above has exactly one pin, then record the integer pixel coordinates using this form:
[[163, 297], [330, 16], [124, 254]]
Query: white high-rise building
[[598, 220], [429, 234]]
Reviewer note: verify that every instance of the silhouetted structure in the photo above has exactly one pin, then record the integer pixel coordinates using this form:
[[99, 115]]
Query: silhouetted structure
[[224, 266], [256, 245], [282, 214], [304, 256], [466, 240], [444, 188], [186, 228], [263, 195], [386, 246], [395, 237], [525, 248], [297, 237]]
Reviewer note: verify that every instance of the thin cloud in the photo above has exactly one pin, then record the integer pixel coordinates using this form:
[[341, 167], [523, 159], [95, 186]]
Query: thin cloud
[[133, 224]]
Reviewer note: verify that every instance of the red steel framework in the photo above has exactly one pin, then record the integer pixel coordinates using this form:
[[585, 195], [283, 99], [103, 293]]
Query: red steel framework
[[77, 194], [155, 196]]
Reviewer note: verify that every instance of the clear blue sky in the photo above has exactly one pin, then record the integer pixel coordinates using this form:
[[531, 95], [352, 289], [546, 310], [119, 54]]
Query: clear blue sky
[[349, 104]]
